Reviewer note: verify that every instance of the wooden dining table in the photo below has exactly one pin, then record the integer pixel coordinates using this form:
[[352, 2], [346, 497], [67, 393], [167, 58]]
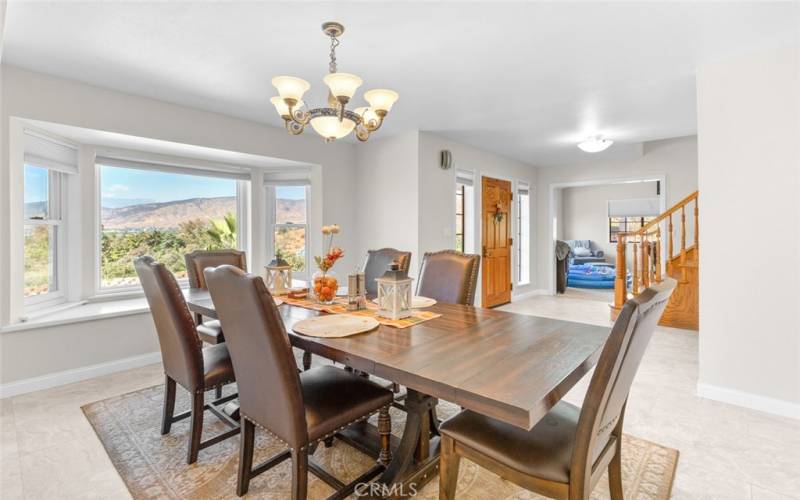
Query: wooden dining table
[[511, 367]]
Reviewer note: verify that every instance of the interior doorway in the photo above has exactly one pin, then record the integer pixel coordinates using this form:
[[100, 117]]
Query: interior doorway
[[586, 215]]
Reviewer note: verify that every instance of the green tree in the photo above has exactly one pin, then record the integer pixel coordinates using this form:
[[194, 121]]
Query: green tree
[[223, 231]]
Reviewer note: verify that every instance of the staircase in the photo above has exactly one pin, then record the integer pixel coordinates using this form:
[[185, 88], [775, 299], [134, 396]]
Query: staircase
[[646, 247]]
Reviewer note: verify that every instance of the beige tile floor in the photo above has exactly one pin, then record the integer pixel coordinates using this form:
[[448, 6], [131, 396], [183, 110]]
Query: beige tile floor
[[49, 450]]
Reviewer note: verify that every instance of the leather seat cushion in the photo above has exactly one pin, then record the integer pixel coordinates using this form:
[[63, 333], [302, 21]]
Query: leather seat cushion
[[210, 332], [334, 397], [217, 366], [544, 451]]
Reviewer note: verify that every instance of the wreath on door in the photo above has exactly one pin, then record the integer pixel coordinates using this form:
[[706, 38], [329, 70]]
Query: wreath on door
[[498, 213]]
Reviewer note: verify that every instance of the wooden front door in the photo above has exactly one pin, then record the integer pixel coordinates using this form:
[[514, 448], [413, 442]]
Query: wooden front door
[[496, 220]]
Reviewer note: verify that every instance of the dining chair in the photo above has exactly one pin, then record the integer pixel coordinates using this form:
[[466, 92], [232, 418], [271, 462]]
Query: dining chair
[[186, 362], [210, 331], [567, 452], [377, 263], [298, 408], [449, 276]]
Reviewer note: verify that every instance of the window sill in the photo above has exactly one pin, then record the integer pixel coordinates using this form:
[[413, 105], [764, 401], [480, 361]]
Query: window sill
[[81, 312]]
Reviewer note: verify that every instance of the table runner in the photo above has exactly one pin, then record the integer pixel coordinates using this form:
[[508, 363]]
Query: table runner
[[340, 307]]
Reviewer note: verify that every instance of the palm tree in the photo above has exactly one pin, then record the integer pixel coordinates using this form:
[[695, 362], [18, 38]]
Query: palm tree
[[223, 232]]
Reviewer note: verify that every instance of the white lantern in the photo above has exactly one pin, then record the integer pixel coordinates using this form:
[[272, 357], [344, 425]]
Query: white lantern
[[278, 276], [394, 293]]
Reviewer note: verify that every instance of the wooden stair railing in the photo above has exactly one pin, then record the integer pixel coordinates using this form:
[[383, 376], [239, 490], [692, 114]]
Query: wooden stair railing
[[647, 266]]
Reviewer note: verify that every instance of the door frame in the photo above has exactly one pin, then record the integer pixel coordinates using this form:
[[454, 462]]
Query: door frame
[[512, 213], [552, 219]]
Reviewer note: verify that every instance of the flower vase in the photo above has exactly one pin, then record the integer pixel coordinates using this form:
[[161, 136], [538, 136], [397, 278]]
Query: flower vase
[[326, 283]]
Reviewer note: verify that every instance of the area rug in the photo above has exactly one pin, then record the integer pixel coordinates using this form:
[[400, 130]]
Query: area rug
[[154, 466]]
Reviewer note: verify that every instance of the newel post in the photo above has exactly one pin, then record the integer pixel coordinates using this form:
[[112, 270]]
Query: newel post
[[621, 282]]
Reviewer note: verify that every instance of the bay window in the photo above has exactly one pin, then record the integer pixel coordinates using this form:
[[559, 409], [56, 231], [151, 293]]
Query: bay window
[[287, 219], [161, 211], [43, 252]]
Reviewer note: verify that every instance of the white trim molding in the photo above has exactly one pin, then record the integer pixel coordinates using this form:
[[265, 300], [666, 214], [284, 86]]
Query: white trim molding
[[76, 374], [749, 400]]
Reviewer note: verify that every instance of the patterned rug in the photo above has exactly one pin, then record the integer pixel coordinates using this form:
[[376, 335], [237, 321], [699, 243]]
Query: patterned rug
[[154, 466]]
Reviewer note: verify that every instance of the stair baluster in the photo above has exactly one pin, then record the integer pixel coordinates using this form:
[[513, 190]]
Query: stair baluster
[[621, 281], [647, 268]]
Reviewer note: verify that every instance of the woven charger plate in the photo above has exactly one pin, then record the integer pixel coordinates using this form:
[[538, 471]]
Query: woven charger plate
[[335, 325], [417, 302]]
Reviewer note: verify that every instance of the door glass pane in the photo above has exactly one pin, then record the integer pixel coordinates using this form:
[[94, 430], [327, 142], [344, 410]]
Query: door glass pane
[[39, 254], [290, 204], [37, 192], [162, 214], [290, 245]]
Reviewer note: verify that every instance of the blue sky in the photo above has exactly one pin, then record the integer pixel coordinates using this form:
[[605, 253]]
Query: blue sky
[[124, 186], [142, 186], [35, 184]]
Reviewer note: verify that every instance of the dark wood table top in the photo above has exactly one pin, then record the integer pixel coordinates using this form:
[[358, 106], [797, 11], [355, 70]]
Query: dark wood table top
[[512, 367]]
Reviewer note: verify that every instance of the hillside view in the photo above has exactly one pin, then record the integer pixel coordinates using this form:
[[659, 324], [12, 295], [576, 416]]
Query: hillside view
[[149, 213]]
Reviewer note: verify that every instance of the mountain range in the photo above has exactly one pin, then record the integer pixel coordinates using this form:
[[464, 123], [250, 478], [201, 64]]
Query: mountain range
[[171, 214]]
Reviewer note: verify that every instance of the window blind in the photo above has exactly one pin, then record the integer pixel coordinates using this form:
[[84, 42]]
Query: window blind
[[50, 153], [641, 207], [465, 177], [523, 188], [232, 173], [300, 177]]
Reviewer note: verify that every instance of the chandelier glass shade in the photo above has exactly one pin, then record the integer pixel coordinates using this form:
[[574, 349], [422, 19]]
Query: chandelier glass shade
[[334, 121]]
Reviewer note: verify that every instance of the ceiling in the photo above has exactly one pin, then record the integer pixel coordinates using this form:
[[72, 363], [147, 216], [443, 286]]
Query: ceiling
[[527, 80]]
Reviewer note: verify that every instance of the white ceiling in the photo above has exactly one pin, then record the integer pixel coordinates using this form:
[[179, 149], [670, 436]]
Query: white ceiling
[[528, 80]]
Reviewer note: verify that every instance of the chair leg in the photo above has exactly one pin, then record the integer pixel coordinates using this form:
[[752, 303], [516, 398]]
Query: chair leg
[[169, 405], [246, 446], [306, 361], [299, 474], [196, 429], [385, 431], [449, 461], [615, 474]]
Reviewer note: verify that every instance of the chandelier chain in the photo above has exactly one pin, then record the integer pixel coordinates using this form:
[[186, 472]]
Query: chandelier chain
[[334, 44]]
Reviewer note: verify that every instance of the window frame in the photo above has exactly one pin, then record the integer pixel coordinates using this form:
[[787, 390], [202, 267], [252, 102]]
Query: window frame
[[56, 186], [642, 220], [461, 189], [102, 293], [272, 224], [522, 186]]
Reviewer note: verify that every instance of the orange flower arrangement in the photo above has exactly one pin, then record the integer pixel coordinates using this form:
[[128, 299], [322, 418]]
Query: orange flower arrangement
[[326, 285]]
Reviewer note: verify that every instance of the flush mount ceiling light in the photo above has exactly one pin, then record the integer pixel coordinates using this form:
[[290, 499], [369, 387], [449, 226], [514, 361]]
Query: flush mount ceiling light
[[334, 121], [595, 144]]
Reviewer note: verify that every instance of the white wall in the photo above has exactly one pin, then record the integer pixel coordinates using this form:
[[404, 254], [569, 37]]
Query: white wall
[[675, 159], [42, 97], [407, 201], [437, 194], [749, 131], [387, 195], [585, 211]]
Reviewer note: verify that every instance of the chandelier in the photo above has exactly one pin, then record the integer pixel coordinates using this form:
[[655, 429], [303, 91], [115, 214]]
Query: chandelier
[[334, 121]]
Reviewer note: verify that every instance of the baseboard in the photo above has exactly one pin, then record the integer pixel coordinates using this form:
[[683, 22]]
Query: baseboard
[[749, 400], [528, 295], [76, 374]]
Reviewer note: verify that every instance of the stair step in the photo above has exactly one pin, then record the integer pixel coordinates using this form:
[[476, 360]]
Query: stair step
[[689, 263]]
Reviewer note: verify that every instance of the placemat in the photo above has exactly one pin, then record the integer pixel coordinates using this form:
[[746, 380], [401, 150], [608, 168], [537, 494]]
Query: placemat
[[339, 306]]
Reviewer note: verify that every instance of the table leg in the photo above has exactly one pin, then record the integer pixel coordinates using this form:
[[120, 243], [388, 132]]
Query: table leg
[[416, 460]]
